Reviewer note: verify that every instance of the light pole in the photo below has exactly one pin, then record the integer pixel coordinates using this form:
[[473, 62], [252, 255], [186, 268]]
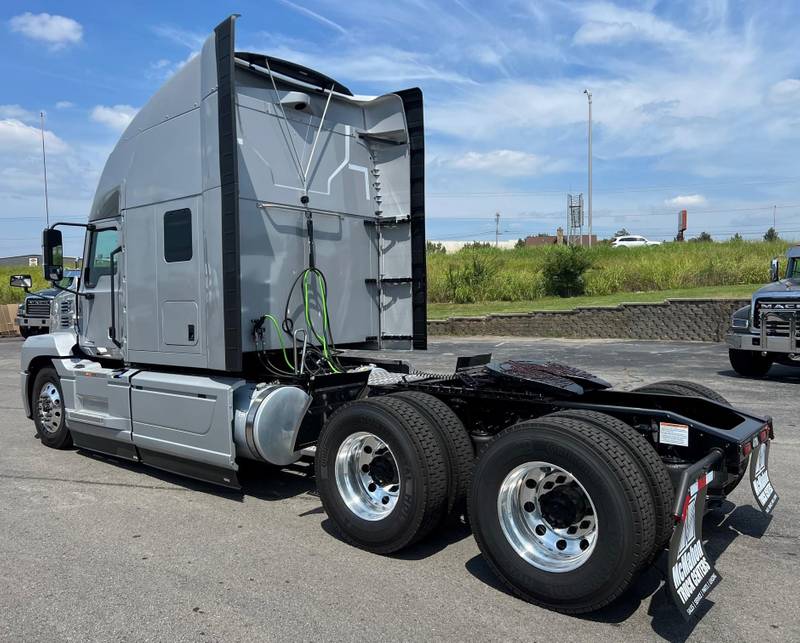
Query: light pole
[[589, 96], [44, 164]]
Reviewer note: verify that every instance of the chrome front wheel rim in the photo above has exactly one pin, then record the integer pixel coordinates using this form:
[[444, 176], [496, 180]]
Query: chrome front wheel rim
[[367, 476], [49, 408], [547, 516]]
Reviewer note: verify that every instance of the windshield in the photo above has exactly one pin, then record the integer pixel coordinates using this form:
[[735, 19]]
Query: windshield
[[793, 269]]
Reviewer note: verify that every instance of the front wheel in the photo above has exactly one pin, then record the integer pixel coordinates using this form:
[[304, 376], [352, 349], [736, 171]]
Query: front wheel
[[749, 363], [561, 513], [48, 410]]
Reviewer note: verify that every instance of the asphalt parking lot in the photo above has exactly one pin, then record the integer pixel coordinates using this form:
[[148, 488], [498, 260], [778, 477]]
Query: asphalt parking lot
[[91, 549]]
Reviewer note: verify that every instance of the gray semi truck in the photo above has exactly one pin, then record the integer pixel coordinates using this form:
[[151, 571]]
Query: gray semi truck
[[767, 331], [255, 224]]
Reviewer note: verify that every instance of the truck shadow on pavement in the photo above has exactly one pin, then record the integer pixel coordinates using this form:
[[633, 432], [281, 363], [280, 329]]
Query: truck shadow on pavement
[[448, 534], [263, 482], [720, 527], [778, 373]]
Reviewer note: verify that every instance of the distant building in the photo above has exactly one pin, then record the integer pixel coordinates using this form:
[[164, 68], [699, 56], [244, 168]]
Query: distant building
[[551, 240], [35, 261]]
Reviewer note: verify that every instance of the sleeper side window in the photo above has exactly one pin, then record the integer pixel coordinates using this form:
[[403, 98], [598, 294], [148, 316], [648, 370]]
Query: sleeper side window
[[178, 235]]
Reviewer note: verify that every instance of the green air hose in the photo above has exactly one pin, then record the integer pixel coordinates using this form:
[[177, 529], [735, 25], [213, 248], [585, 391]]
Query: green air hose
[[321, 338], [280, 339]]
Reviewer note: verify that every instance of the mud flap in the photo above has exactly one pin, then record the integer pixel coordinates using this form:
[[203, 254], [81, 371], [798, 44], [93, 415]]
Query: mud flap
[[760, 483], [691, 576]]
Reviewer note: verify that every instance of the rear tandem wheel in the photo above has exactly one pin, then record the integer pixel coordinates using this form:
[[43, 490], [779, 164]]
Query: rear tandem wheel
[[562, 513], [382, 474]]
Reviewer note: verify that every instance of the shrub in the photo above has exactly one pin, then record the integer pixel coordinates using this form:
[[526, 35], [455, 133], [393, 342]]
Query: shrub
[[563, 271]]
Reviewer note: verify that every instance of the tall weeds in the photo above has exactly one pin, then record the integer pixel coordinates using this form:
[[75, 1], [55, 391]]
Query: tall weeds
[[489, 274]]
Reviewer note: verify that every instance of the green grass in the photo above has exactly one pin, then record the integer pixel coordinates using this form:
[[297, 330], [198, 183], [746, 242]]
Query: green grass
[[9, 295], [489, 274], [443, 311]]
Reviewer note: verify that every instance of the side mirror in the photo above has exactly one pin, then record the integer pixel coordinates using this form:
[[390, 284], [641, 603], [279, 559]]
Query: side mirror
[[774, 270], [20, 281], [53, 251]]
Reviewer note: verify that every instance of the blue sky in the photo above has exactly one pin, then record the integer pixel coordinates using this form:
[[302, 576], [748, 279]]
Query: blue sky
[[695, 103]]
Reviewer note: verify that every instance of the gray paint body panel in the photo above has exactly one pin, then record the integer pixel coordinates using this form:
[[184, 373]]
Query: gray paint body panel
[[187, 416], [168, 158], [58, 344]]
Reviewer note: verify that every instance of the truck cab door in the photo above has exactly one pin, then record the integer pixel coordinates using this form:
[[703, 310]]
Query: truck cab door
[[101, 265]]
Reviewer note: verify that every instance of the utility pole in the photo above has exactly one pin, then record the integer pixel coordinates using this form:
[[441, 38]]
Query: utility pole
[[589, 96], [44, 164], [774, 208], [496, 229]]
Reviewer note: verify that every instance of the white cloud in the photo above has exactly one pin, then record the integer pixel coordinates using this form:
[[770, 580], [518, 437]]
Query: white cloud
[[163, 68], [189, 39], [609, 24], [686, 200], [384, 64], [17, 112], [314, 16], [56, 31], [117, 117], [19, 139], [500, 162], [785, 91], [64, 104]]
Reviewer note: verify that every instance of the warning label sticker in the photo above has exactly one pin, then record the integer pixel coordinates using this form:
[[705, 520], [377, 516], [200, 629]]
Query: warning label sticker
[[677, 434]]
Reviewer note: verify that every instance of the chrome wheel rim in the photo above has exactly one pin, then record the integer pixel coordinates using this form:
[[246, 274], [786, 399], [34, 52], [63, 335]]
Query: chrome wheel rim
[[547, 517], [367, 476], [49, 408]]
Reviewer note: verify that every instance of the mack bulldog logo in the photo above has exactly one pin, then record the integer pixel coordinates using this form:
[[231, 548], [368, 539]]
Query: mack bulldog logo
[[759, 479], [691, 575]]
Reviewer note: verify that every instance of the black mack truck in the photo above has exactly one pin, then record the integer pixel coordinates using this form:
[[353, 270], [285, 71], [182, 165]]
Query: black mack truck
[[766, 332]]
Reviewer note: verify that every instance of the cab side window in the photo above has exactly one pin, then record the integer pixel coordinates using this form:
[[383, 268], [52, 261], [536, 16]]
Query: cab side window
[[794, 269], [103, 243]]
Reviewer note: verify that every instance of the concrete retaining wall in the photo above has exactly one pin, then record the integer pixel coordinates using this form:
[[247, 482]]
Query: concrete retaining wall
[[705, 320]]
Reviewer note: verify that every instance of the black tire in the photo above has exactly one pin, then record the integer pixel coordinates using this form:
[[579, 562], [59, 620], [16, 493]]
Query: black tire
[[422, 473], [460, 455], [749, 363], [618, 490], [653, 469], [681, 387], [55, 434], [26, 331]]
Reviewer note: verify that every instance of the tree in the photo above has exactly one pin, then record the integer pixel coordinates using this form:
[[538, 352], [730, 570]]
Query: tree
[[771, 235], [434, 247], [622, 232], [520, 243], [737, 238], [703, 236]]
